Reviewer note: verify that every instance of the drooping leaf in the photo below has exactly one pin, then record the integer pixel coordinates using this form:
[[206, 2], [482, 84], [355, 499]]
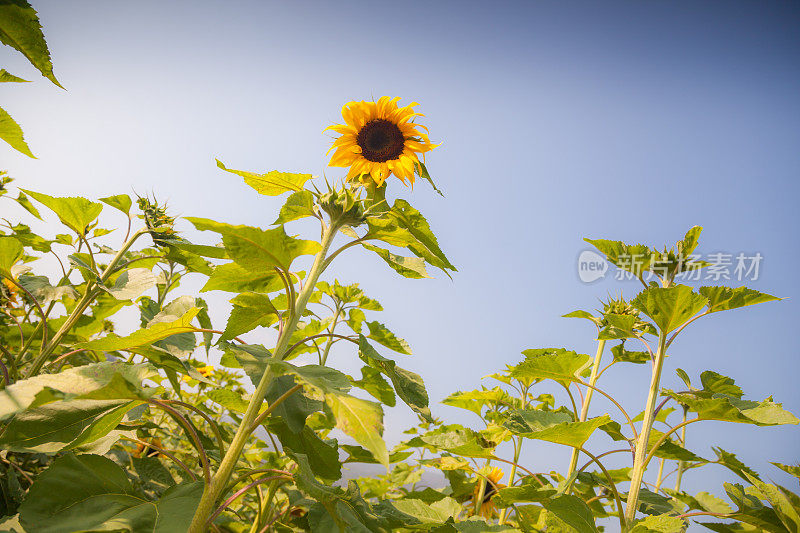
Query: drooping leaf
[[74, 212], [21, 30], [552, 426], [11, 133], [622, 355], [730, 409], [6, 77], [92, 493], [132, 283], [144, 337], [122, 202], [250, 310], [295, 409], [669, 307], [409, 386], [11, 251], [409, 267], [323, 456], [373, 382], [362, 420], [73, 383], [272, 183], [26, 204]]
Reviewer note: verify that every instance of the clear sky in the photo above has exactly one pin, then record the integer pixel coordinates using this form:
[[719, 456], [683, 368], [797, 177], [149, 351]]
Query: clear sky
[[558, 121]]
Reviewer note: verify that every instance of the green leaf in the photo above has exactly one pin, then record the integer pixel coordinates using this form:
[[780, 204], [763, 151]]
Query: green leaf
[[231, 277], [26, 204], [730, 409], [6, 76], [422, 171], [323, 456], [725, 298], [719, 384], [299, 205], [74, 212], [132, 283], [144, 337], [255, 249], [272, 183], [11, 251], [250, 310], [572, 511], [409, 386], [659, 524], [670, 449], [732, 463], [427, 247], [295, 409], [11, 133], [459, 441], [621, 355], [63, 425], [122, 202], [74, 383], [552, 426], [528, 491], [92, 493], [372, 381], [381, 334], [20, 29], [362, 420], [476, 400], [228, 399], [563, 366], [669, 307], [635, 258], [689, 242], [409, 267]]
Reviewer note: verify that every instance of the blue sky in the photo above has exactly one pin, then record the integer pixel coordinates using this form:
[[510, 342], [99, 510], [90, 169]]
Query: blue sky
[[558, 121]]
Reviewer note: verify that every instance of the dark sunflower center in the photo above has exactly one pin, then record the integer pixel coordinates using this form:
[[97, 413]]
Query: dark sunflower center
[[380, 141], [491, 490]]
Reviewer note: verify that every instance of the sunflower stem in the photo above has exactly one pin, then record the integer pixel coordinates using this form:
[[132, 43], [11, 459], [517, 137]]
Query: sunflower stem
[[601, 344], [213, 492]]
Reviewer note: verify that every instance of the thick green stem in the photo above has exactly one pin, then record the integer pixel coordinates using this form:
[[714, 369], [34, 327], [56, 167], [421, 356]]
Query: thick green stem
[[213, 491], [681, 464], [573, 462], [639, 464]]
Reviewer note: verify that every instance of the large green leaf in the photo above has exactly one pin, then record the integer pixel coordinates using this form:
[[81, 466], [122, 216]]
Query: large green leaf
[[373, 382], [295, 408], [75, 382], [731, 409], [298, 205], [11, 251], [725, 298], [552, 426], [231, 277], [144, 337], [62, 425], [11, 133], [131, 283], [74, 212], [20, 29], [323, 456], [119, 201], [426, 247], [362, 420], [409, 386], [92, 493], [255, 249], [272, 183], [659, 524], [459, 441], [634, 258], [669, 307], [573, 511], [563, 366]]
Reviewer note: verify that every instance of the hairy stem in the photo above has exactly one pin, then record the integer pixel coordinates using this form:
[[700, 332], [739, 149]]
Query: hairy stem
[[213, 491], [573, 462], [639, 464]]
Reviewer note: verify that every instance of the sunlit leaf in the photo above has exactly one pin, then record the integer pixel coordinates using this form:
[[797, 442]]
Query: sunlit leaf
[[725, 298], [74, 212], [409, 267], [21, 30], [669, 307], [272, 183], [11, 133], [362, 420], [553, 426]]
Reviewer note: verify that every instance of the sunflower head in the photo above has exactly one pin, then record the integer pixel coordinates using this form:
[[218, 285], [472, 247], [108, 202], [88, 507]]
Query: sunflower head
[[8, 293], [487, 508], [160, 224], [378, 139]]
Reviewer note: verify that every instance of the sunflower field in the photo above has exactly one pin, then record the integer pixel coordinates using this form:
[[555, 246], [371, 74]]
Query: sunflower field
[[187, 425]]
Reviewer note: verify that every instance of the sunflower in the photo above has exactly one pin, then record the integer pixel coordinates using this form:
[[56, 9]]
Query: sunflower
[[378, 139], [488, 508], [8, 291]]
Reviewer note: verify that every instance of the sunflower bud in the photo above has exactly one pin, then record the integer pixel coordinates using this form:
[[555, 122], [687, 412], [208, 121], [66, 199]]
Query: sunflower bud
[[157, 221], [343, 207]]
